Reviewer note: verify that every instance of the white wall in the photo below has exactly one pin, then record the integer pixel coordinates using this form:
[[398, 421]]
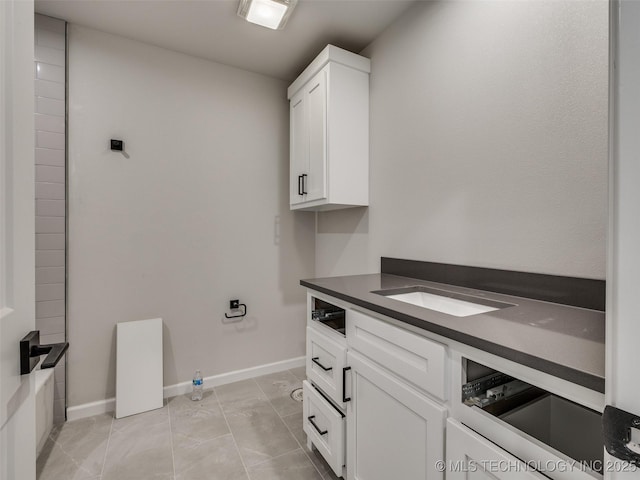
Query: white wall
[[50, 110], [488, 141], [194, 215]]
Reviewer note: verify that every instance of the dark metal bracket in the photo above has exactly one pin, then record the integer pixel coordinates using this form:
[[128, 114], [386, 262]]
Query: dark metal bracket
[[616, 426], [236, 305], [31, 350]]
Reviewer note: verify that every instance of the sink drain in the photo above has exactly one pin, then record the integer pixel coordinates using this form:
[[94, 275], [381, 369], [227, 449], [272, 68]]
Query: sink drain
[[297, 394]]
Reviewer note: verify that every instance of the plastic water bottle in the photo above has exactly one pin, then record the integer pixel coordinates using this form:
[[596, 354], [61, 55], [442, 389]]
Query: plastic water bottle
[[196, 394]]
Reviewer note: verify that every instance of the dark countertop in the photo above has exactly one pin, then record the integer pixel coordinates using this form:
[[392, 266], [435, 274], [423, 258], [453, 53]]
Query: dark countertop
[[563, 341]]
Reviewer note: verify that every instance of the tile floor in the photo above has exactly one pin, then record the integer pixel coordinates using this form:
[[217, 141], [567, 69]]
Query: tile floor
[[249, 430]]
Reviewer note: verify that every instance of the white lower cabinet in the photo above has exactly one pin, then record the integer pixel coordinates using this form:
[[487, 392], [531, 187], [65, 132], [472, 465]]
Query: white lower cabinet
[[472, 457], [388, 387], [393, 431]]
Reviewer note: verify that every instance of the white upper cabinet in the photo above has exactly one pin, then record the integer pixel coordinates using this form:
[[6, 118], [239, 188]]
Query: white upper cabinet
[[329, 132]]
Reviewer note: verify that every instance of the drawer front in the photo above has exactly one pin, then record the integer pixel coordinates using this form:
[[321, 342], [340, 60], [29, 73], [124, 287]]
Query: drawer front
[[521, 445], [325, 363], [324, 426], [471, 456], [417, 359]]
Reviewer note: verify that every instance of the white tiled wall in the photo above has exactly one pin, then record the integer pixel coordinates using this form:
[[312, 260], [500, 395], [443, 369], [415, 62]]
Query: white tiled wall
[[50, 191]]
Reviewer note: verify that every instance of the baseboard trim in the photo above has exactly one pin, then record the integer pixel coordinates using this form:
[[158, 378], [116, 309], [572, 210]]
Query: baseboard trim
[[109, 405], [90, 409]]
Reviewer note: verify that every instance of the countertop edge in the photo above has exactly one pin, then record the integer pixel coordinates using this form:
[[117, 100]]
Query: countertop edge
[[584, 379]]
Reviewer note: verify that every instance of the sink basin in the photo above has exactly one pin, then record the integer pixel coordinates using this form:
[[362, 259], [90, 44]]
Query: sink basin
[[451, 303]]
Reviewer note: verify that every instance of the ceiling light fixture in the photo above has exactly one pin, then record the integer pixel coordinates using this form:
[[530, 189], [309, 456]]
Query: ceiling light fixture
[[268, 13]]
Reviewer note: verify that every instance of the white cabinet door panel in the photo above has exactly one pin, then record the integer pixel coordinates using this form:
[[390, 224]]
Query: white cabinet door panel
[[393, 431], [299, 146], [315, 184]]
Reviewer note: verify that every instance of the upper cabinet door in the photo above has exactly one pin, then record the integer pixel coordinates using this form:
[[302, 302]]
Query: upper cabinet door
[[299, 147], [329, 143], [316, 93]]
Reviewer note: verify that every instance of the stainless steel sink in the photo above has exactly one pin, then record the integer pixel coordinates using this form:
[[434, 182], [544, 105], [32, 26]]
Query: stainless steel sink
[[443, 301]]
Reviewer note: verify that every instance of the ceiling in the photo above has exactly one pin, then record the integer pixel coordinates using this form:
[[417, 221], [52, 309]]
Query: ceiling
[[211, 29]]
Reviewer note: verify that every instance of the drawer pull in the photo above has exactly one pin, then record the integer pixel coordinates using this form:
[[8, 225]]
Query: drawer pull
[[317, 362], [344, 384], [316, 426]]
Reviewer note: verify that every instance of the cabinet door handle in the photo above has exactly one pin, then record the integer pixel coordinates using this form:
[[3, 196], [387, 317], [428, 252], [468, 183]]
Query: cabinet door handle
[[344, 384], [304, 184], [317, 362], [299, 184], [316, 426]]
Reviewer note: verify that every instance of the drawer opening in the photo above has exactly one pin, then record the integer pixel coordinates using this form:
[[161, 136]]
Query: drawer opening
[[328, 314], [565, 426]]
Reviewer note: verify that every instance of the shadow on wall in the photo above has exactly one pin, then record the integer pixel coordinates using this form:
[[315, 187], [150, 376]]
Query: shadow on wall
[[340, 231], [350, 220], [293, 235], [109, 388], [169, 369]]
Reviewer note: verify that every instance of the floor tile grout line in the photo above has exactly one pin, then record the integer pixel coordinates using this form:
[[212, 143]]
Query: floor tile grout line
[[302, 447], [274, 408], [280, 416], [266, 398], [64, 452], [287, 426], [269, 400], [106, 450], [277, 456], [233, 437]]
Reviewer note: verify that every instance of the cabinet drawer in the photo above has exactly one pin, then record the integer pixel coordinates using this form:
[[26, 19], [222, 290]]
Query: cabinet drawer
[[470, 455], [324, 426], [325, 363], [412, 357]]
